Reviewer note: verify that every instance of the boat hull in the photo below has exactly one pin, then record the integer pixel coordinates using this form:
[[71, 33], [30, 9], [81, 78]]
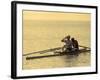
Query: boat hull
[[58, 53]]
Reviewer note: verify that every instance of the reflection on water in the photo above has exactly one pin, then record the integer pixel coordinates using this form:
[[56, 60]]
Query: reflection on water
[[50, 60]]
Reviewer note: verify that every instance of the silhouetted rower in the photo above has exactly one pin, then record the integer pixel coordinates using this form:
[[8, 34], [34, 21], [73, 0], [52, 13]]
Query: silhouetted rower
[[75, 44]]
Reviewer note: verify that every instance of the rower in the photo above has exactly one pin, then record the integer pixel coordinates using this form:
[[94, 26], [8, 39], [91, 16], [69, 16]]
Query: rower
[[68, 44], [75, 44]]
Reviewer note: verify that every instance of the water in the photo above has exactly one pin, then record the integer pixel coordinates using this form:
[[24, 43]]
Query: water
[[42, 35]]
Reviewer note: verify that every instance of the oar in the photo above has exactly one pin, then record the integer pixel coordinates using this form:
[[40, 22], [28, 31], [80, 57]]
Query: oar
[[49, 50], [43, 51], [84, 46]]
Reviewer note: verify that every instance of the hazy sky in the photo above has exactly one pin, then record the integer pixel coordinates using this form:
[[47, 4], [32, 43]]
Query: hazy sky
[[40, 15]]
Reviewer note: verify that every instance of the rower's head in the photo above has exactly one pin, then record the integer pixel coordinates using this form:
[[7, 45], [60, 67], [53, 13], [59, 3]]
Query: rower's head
[[73, 39], [68, 37]]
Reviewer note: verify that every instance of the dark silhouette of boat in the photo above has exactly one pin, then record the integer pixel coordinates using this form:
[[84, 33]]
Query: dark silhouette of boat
[[57, 52]]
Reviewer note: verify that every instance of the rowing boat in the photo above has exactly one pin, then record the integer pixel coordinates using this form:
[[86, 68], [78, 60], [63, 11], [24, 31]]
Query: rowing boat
[[54, 50], [59, 53]]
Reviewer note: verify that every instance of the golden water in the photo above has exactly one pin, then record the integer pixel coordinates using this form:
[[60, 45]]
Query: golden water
[[42, 35]]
